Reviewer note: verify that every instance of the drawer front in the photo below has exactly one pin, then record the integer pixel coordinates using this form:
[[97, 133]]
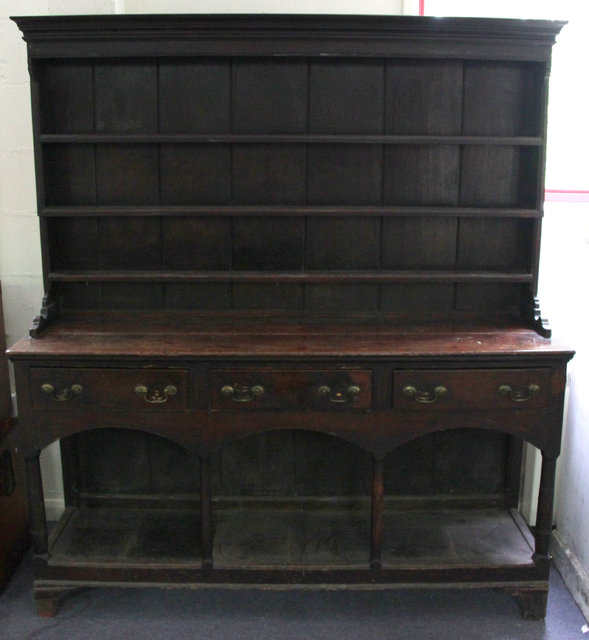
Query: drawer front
[[133, 389], [420, 390], [251, 389]]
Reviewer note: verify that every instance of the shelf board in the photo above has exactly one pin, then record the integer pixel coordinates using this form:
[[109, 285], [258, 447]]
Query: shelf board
[[234, 138], [465, 537], [286, 210], [123, 536], [291, 539], [296, 277], [263, 538]]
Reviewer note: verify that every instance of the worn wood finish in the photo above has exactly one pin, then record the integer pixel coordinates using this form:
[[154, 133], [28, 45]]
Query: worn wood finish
[[271, 538], [219, 336], [317, 389], [290, 334]]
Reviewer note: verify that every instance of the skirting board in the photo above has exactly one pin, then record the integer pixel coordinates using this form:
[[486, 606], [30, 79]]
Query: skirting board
[[574, 574]]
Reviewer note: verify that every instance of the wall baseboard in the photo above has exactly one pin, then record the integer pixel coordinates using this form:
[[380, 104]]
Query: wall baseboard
[[574, 574]]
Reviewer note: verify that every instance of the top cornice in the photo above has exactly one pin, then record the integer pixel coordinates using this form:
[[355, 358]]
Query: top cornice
[[267, 34]]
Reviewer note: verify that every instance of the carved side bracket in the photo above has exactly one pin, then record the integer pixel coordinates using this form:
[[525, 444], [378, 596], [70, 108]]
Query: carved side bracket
[[49, 313], [539, 323]]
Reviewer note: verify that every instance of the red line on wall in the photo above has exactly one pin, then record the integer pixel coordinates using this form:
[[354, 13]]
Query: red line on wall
[[421, 7], [566, 195]]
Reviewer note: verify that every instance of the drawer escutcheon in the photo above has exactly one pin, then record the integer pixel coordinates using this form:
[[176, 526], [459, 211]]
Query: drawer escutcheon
[[518, 394], [63, 394], [424, 396], [339, 395], [241, 392], [156, 396]]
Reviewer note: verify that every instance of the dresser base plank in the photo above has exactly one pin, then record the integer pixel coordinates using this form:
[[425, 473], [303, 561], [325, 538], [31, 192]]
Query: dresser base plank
[[266, 539], [321, 548], [115, 536]]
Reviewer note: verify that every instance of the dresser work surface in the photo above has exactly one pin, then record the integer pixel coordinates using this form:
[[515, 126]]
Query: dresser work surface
[[290, 336]]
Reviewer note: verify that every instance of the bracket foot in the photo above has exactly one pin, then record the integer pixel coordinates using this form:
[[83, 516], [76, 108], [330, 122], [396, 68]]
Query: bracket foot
[[531, 601], [49, 599]]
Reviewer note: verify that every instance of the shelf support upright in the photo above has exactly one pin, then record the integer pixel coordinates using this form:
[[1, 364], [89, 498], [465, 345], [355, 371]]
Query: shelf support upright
[[545, 509], [377, 511], [206, 528], [37, 506]]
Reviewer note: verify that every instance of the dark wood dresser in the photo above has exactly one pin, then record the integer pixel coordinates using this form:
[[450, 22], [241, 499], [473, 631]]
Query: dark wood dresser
[[14, 524], [290, 335]]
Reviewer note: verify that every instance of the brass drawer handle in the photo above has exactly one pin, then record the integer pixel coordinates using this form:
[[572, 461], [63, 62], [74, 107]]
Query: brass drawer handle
[[518, 394], [156, 396], [63, 394], [242, 392], [340, 395], [424, 396]]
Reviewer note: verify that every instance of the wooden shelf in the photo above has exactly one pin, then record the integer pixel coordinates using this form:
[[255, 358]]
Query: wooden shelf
[[235, 138], [126, 536], [286, 210], [315, 277], [270, 538]]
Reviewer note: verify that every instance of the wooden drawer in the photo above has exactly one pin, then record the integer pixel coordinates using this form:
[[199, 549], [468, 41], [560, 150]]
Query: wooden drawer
[[471, 389], [245, 389], [133, 389]]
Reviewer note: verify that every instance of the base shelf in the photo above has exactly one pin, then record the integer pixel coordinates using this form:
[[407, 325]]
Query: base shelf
[[121, 537], [268, 539]]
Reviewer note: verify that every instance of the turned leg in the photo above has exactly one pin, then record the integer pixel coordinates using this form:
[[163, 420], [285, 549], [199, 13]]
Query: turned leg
[[377, 512], [47, 599], [532, 601], [545, 507], [36, 505], [206, 513]]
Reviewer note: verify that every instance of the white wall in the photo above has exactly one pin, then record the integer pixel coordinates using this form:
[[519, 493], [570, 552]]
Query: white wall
[[262, 6], [563, 278]]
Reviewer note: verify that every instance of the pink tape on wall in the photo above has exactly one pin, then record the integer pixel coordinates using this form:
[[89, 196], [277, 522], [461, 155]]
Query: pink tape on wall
[[566, 195]]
